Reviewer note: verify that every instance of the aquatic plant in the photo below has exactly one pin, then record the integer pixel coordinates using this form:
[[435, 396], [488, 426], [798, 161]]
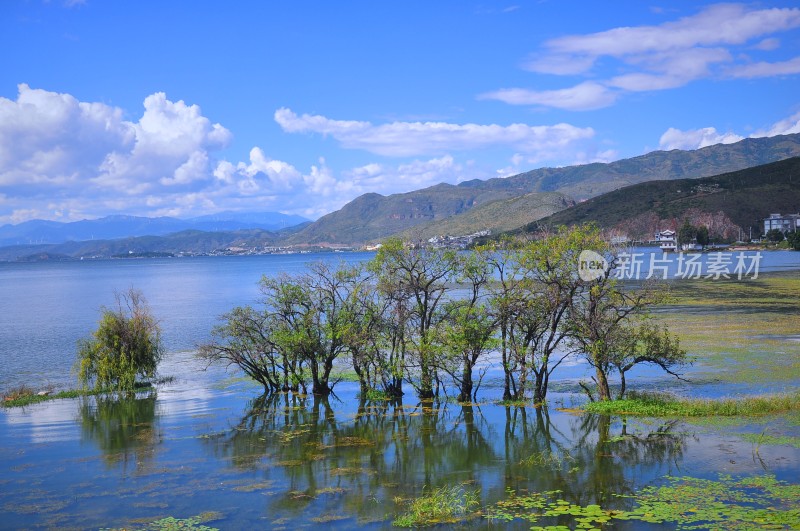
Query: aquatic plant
[[665, 405], [438, 506], [759, 502]]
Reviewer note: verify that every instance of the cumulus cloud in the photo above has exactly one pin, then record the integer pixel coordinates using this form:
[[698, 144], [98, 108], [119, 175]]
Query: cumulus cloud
[[64, 154], [403, 139], [697, 138], [658, 57]]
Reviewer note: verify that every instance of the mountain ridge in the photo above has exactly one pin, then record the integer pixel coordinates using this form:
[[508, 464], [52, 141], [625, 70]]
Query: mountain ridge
[[372, 217], [117, 226]]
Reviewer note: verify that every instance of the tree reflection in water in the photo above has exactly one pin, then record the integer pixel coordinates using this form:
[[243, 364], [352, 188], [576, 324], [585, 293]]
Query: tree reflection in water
[[315, 460], [124, 428]]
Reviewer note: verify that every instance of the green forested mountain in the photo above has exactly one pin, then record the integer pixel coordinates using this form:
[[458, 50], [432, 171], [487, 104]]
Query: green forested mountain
[[590, 180], [497, 216], [745, 197], [372, 216]]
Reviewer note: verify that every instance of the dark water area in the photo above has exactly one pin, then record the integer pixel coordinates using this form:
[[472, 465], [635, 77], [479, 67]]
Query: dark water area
[[210, 443]]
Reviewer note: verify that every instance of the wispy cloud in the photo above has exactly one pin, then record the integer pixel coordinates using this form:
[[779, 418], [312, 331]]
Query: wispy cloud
[[765, 69], [404, 139], [657, 57], [582, 97]]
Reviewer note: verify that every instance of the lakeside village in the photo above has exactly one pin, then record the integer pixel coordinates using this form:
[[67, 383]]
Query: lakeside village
[[668, 240], [776, 228]]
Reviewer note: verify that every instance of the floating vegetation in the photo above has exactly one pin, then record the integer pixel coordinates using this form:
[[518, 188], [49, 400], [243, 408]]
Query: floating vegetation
[[759, 502], [440, 506], [171, 523], [325, 518], [253, 487]]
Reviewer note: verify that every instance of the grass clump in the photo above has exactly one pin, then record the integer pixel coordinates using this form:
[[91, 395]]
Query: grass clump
[[439, 506], [24, 396], [665, 405]]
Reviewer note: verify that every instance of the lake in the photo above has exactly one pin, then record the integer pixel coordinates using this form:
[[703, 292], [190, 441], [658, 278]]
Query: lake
[[209, 443]]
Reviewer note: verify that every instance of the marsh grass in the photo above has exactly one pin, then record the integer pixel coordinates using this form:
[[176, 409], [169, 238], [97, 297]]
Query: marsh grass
[[739, 331], [664, 405], [440, 506], [24, 396]]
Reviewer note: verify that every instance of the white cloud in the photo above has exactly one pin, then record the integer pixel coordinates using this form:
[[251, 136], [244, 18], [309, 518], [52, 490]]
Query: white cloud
[[695, 138], [764, 69], [658, 57], [787, 126], [718, 24], [52, 138], [768, 44], [403, 139], [698, 138], [585, 96]]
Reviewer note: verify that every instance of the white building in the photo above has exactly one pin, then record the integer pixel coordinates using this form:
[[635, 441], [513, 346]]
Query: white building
[[666, 240], [784, 223]]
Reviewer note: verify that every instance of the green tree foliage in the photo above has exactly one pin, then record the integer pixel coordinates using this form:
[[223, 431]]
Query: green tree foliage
[[468, 333], [702, 236], [794, 240], [687, 233], [775, 235], [610, 326], [298, 333], [126, 344], [419, 278], [422, 316]]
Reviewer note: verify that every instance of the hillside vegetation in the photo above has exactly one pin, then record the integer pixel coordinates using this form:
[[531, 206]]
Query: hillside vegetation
[[498, 216], [372, 217], [745, 197]]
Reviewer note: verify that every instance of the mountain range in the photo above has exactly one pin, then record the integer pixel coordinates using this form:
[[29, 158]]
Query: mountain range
[[372, 217], [114, 227], [556, 195]]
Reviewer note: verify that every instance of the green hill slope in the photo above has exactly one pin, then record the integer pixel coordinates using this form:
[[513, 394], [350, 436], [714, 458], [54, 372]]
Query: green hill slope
[[590, 180], [372, 217], [497, 216], [745, 197]]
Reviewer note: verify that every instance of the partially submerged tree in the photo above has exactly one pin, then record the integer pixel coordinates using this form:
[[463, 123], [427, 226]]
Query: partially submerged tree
[[419, 277], [244, 339], [611, 326], [469, 330], [126, 344]]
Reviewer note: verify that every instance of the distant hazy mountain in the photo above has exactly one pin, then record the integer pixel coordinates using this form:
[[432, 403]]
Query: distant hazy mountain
[[372, 216], [114, 227]]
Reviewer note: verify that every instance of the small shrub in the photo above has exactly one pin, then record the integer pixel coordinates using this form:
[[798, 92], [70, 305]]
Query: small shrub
[[126, 344]]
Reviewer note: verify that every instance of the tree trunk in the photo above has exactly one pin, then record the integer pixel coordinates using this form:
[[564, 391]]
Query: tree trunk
[[603, 393]]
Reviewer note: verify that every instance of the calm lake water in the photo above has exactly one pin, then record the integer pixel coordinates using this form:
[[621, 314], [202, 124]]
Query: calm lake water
[[208, 442]]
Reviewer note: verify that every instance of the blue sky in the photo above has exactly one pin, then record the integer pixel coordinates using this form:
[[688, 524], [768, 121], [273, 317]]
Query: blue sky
[[188, 108]]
